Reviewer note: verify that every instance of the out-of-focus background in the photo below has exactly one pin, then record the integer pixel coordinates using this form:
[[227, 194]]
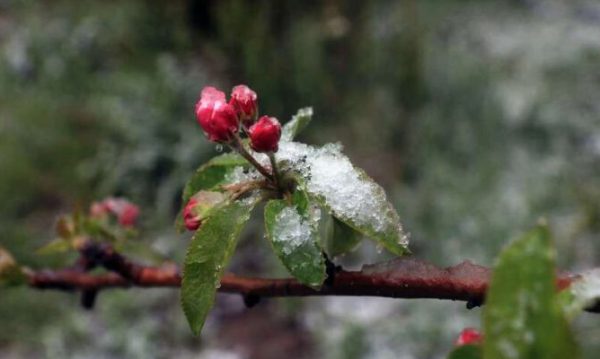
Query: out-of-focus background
[[478, 117]]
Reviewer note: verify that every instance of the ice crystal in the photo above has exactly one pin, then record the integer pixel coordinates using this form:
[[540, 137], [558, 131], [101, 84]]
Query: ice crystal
[[346, 190], [292, 231]]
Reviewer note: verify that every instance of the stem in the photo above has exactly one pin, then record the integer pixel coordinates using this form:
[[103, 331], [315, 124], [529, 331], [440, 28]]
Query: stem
[[394, 279], [252, 160], [276, 176]]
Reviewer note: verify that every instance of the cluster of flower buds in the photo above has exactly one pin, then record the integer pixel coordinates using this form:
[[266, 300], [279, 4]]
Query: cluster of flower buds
[[469, 336], [125, 211], [222, 120]]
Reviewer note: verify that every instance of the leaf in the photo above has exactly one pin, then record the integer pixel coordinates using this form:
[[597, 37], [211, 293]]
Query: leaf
[[522, 317], [65, 227], [584, 292], [58, 245], [212, 173], [208, 253], [295, 240], [466, 352], [11, 273], [298, 122], [351, 196], [341, 238]]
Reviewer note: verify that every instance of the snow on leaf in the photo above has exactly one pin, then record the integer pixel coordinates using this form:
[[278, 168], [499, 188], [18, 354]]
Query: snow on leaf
[[583, 292], [349, 194], [294, 240]]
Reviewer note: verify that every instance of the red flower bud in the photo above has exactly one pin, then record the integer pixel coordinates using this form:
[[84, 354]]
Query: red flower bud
[[265, 134], [244, 100], [125, 211], [128, 215], [468, 336], [217, 118], [191, 221], [199, 207]]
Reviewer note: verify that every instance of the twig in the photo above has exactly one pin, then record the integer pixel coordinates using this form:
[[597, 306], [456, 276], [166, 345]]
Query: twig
[[400, 278]]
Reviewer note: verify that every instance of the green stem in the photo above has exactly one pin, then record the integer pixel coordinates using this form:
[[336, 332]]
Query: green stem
[[240, 148], [276, 176]]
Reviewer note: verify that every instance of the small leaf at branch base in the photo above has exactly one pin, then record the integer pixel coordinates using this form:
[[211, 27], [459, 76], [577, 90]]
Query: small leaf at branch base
[[298, 122], [58, 245], [466, 352], [11, 273], [295, 242], [208, 253], [341, 238], [522, 316], [212, 173]]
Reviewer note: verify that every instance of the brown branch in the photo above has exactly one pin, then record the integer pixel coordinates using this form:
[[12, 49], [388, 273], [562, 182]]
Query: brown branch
[[399, 278]]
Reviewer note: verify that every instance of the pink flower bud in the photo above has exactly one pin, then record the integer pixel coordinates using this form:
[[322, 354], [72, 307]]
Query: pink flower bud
[[192, 222], [128, 215], [265, 134], [125, 211], [468, 336], [217, 118], [98, 209], [244, 100], [199, 207]]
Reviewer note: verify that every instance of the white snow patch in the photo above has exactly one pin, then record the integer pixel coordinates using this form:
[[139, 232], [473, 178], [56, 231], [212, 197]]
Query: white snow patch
[[587, 289], [349, 193], [290, 230]]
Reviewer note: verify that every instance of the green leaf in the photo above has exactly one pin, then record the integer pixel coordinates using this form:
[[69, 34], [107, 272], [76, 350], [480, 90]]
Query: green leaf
[[341, 238], [58, 245], [353, 197], [295, 242], [11, 273], [522, 316], [212, 173], [298, 122], [208, 253], [466, 352]]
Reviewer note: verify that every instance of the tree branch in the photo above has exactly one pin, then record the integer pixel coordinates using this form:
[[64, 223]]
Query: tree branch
[[398, 278]]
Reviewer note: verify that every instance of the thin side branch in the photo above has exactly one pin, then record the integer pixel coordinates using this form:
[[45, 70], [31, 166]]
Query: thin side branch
[[399, 278]]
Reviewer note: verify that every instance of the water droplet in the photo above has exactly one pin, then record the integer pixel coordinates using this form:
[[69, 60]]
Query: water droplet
[[219, 148]]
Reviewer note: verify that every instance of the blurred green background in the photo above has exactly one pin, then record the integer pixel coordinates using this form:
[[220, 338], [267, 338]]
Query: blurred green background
[[478, 117]]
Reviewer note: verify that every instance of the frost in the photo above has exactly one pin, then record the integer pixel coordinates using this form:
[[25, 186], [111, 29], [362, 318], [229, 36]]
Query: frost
[[346, 190], [292, 231], [241, 174], [587, 289]]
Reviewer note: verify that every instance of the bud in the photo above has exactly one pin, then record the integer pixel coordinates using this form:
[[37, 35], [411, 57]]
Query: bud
[[217, 118], [125, 211], [199, 207], [98, 209], [128, 215], [468, 336], [265, 134], [244, 100]]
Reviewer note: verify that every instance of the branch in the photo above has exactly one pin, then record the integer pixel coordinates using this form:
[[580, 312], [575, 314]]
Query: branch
[[398, 278]]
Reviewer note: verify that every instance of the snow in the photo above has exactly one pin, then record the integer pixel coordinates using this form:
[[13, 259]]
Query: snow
[[347, 191], [587, 289], [240, 174], [290, 230]]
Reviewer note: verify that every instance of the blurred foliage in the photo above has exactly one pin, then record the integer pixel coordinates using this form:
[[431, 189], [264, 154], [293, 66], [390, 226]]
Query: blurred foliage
[[477, 116]]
